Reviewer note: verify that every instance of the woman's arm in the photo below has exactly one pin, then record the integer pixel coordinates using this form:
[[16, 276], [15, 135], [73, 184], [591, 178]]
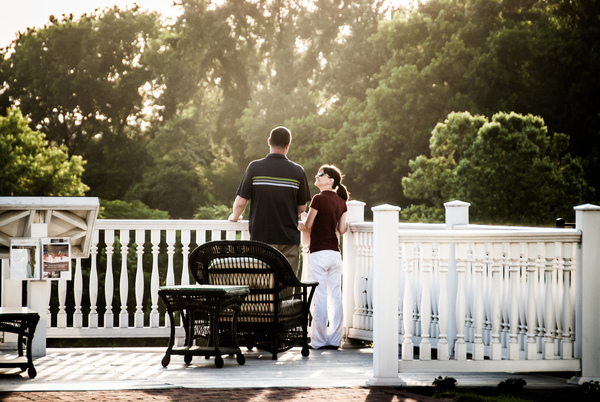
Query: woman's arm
[[307, 223], [342, 224]]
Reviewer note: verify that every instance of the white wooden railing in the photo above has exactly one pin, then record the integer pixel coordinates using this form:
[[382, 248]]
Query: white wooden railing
[[464, 297]]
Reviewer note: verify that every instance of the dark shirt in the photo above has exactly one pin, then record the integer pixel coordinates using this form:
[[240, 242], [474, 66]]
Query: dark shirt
[[275, 187], [330, 207]]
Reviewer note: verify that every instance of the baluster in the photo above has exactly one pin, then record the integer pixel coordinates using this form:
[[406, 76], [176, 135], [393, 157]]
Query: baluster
[[469, 295], [523, 290], [124, 279], [215, 235], [540, 292], [185, 250], [78, 293], [369, 284], [532, 256], [496, 310], [425, 347], [443, 349], [505, 299], [171, 238], [513, 312], [416, 285], [435, 292], [358, 281], [93, 283], [154, 316], [549, 319], [61, 320], [479, 256], [200, 237], [407, 343], [140, 238], [401, 247], [109, 236], [460, 348], [568, 316], [487, 295], [558, 289]]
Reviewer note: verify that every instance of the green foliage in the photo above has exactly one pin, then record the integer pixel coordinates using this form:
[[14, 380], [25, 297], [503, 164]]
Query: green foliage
[[512, 385], [30, 166], [213, 212], [590, 389], [444, 384], [171, 114], [129, 210], [79, 81]]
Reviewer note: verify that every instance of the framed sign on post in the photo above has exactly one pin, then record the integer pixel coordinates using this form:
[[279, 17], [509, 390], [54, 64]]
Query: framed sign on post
[[56, 258], [25, 259]]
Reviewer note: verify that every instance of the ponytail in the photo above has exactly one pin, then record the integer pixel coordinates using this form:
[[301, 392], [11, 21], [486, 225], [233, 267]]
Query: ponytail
[[342, 191], [336, 174]]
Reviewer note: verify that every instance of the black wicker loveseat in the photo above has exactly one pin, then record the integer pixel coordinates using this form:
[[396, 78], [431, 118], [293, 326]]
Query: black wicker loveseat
[[274, 316]]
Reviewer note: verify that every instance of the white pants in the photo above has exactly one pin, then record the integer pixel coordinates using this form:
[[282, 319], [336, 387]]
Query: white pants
[[326, 268]]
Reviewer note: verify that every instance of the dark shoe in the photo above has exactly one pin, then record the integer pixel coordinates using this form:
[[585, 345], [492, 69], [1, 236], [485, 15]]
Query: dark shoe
[[330, 347]]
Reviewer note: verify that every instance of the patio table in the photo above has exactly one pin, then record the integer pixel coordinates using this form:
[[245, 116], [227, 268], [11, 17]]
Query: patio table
[[201, 308], [21, 321]]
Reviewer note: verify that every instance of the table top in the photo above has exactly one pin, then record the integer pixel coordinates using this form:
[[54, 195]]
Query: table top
[[229, 290], [17, 311]]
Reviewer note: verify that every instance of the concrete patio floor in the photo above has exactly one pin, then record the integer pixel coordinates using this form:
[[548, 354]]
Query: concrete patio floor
[[103, 369]]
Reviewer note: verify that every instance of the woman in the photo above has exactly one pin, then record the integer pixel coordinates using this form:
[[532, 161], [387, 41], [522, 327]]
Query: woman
[[325, 219]]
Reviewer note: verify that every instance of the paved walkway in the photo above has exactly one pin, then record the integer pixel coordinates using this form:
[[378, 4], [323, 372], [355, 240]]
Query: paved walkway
[[110, 374]]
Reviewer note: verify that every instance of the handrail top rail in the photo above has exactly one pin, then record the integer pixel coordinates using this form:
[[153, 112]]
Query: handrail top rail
[[183, 224]]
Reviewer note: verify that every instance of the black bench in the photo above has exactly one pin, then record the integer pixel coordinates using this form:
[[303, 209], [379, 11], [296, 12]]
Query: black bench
[[21, 321], [274, 316]]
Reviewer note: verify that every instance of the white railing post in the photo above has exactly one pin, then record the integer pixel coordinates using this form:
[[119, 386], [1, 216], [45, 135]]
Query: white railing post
[[356, 213], [124, 279], [587, 319], [457, 213], [93, 282], [385, 295], [109, 239], [140, 237]]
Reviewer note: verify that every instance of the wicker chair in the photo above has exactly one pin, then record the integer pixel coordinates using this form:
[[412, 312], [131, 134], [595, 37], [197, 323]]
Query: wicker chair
[[274, 316]]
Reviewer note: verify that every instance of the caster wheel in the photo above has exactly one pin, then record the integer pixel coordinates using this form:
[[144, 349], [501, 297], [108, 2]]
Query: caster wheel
[[218, 361], [187, 359], [166, 360], [305, 351], [31, 372], [240, 359]]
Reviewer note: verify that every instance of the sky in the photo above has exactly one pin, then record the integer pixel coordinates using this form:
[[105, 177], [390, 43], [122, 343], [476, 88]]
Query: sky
[[18, 15]]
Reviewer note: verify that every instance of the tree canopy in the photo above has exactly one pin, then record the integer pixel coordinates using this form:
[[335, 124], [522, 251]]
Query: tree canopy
[[509, 168], [30, 166], [171, 114]]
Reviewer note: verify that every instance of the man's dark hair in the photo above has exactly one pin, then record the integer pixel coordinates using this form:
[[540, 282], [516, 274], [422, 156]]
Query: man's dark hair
[[280, 137]]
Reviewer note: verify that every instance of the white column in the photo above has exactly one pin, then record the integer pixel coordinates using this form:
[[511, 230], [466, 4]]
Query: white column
[[385, 288], [38, 294], [587, 344], [356, 213], [457, 213]]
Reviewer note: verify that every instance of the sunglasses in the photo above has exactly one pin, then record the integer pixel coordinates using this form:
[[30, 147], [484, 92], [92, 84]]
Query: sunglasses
[[323, 174]]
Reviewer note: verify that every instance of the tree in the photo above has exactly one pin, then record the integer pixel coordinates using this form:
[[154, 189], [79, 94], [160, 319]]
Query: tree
[[508, 167], [31, 167], [80, 82]]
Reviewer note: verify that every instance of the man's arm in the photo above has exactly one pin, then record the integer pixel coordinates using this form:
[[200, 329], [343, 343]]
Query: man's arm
[[301, 209], [238, 208]]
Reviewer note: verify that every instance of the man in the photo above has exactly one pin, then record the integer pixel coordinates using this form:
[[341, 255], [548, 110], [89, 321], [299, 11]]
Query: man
[[279, 192]]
